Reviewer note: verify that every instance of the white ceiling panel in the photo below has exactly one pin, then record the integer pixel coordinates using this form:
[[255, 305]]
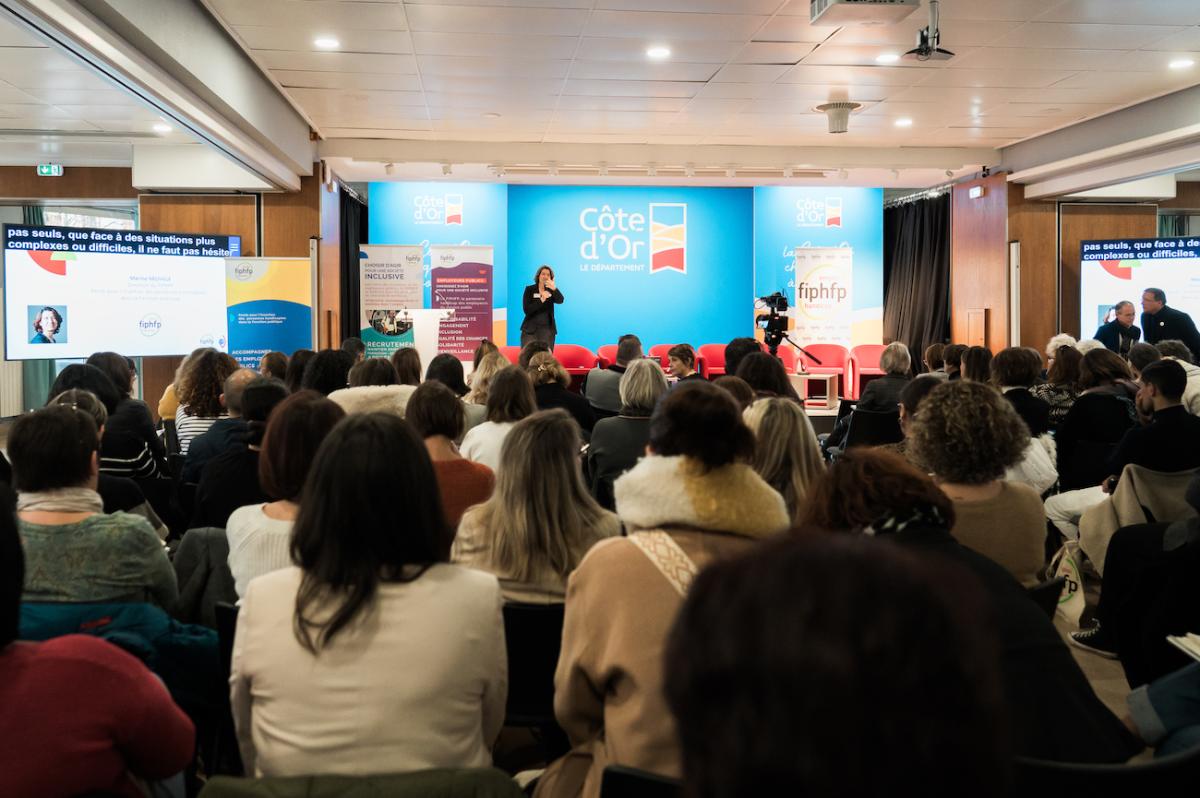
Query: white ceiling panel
[[55, 79], [855, 76], [33, 59], [13, 36], [814, 94], [694, 6], [513, 21], [489, 102], [301, 39], [1125, 12], [314, 15], [337, 62], [903, 36], [734, 90], [673, 27], [10, 95], [465, 66], [111, 97], [792, 29], [584, 4], [994, 78], [864, 54], [630, 88], [39, 123], [1033, 58], [750, 73], [485, 44], [642, 70], [1187, 39], [773, 52], [714, 106], [1071, 36], [633, 48], [497, 88], [1006, 10], [958, 96], [291, 78], [661, 104]]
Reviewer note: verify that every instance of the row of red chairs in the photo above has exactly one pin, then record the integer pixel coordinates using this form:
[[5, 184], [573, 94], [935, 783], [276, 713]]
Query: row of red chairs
[[850, 365]]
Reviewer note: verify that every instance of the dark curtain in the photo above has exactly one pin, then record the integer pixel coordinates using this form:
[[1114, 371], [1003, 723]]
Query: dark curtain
[[1171, 225], [353, 222], [916, 274], [33, 214]]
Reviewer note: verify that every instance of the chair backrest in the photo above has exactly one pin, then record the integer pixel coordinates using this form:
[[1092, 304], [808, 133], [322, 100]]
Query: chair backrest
[[1046, 594], [459, 782], [873, 428], [227, 615], [867, 355], [832, 356], [788, 357], [1160, 776], [170, 436], [845, 408], [511, 353], [714, 359], [533, 635], [575, 359], [619, 781], [608, 353]]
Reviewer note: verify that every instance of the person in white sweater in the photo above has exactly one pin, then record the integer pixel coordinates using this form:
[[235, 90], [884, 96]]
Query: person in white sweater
[[510, 399], [260, 535], [374, 655]]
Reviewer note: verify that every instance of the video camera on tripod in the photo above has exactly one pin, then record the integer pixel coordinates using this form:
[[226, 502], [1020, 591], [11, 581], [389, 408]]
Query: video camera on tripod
[[774, 325]]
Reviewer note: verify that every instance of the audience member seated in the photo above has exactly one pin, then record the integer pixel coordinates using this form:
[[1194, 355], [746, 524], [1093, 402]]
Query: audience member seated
[[81, 716], [786, 453], [168, 404], [910, 399], [1014, 371], [1054, 711], [297, 365], [602, 386], [231, 480], [374, 388], [199, 392], [123, 452], [620, 441], [437, 415], [448, 370], [1057, 342], [1061, 388], [781, 634], [1177, 351], [1097, 420], [75, 552], [1166, 713], [130, 419], [529, 350], [541, 520], [1089, 345], [693, 500], [976, 364], [484, 349], [952, 360], [225, 432], [274, 364], [766, 375], [1170, 442], [736, 387], [737, 349], [550, 388], [407, 362], [935, 365], [882, 394], [354, 347], [681, 359], [373, 654], [118, 494], [1140, 356], [967, 435], [260, 534], [510, 399], [481, 382], [328, 371]]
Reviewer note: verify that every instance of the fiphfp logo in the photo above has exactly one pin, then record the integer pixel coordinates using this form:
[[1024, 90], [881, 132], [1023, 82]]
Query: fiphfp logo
[[243, 271], [819, 213], [434, 209], [668, 236], [150, 324]]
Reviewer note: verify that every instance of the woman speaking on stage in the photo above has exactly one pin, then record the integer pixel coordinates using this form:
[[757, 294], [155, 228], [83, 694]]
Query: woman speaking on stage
[[538, 302]]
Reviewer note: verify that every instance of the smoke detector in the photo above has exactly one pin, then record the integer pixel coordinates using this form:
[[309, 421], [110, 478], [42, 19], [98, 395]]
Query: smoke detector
[[838, 114]]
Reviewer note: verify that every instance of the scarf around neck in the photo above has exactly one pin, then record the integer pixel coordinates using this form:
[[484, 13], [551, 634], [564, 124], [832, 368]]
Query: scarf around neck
[[61, 500]]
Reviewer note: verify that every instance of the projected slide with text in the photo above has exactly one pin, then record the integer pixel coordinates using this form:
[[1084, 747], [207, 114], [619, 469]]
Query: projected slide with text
[[1121, 269]]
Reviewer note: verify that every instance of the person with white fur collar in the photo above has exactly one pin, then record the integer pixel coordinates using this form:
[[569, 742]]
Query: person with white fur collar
[[374, 388], [693, 499]]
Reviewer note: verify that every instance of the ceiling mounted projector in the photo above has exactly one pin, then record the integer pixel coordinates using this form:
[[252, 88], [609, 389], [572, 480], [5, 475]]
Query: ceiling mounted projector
[[860, 12], [838, 114], [928, 39]]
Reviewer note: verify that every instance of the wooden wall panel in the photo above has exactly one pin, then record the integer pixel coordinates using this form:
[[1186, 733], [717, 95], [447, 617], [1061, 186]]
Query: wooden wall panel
[[1034, 224], [329, 291], [77, 182], [979, 259], [291, 219], [1080, 223], [219, 214], [1187, 197]]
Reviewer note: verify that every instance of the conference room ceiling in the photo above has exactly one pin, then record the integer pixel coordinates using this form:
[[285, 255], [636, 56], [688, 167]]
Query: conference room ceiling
[[743, 72], [53, 108]]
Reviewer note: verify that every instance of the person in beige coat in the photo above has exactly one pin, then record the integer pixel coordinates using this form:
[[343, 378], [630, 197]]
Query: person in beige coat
[[693, 500]]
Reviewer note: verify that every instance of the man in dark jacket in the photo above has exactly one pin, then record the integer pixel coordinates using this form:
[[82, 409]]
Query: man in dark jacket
[[1161, 323], [1120, 334]]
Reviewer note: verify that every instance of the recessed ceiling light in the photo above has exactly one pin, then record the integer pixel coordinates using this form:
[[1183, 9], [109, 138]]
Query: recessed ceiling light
[[903, 121], [1181, 63], [658, 52], [326, 43], [491, 115], [161, 127], [887, 58]]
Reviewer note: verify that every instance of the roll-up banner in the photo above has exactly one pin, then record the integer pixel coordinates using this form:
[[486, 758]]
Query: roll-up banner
[[824, 295], [391, 281], [461, 279], [270, 306]]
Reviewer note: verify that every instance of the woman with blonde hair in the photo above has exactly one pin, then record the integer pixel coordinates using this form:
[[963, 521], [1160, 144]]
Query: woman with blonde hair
[[481, 377], [786, 453], [540, 520], [550, 387]]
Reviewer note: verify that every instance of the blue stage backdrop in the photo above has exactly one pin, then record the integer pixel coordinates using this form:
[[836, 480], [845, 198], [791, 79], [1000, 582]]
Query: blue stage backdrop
[[786, 218], [669, 264], [444, 213]]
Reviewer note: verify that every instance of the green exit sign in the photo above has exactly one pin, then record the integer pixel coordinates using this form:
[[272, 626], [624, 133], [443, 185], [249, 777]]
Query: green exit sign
[[50, 170]]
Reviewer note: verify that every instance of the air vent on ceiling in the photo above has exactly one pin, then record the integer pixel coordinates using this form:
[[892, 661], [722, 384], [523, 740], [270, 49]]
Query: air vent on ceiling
[[860, 12]]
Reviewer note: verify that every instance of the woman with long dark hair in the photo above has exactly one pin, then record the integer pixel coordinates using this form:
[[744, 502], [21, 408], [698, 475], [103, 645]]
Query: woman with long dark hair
[[372, 606]]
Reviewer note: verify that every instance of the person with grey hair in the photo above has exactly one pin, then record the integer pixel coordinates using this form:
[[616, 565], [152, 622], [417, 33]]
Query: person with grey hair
[[1089, 344], [1057, 342], [1119, 333], [602, 386], [882, 394], [225, 431], [618, 442]]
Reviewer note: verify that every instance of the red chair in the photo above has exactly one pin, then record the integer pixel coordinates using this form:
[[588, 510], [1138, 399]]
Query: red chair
[[608, 355], [834, 360], [577, 360], [788, 356], [513, 353], [864, 362], [712, 360]]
